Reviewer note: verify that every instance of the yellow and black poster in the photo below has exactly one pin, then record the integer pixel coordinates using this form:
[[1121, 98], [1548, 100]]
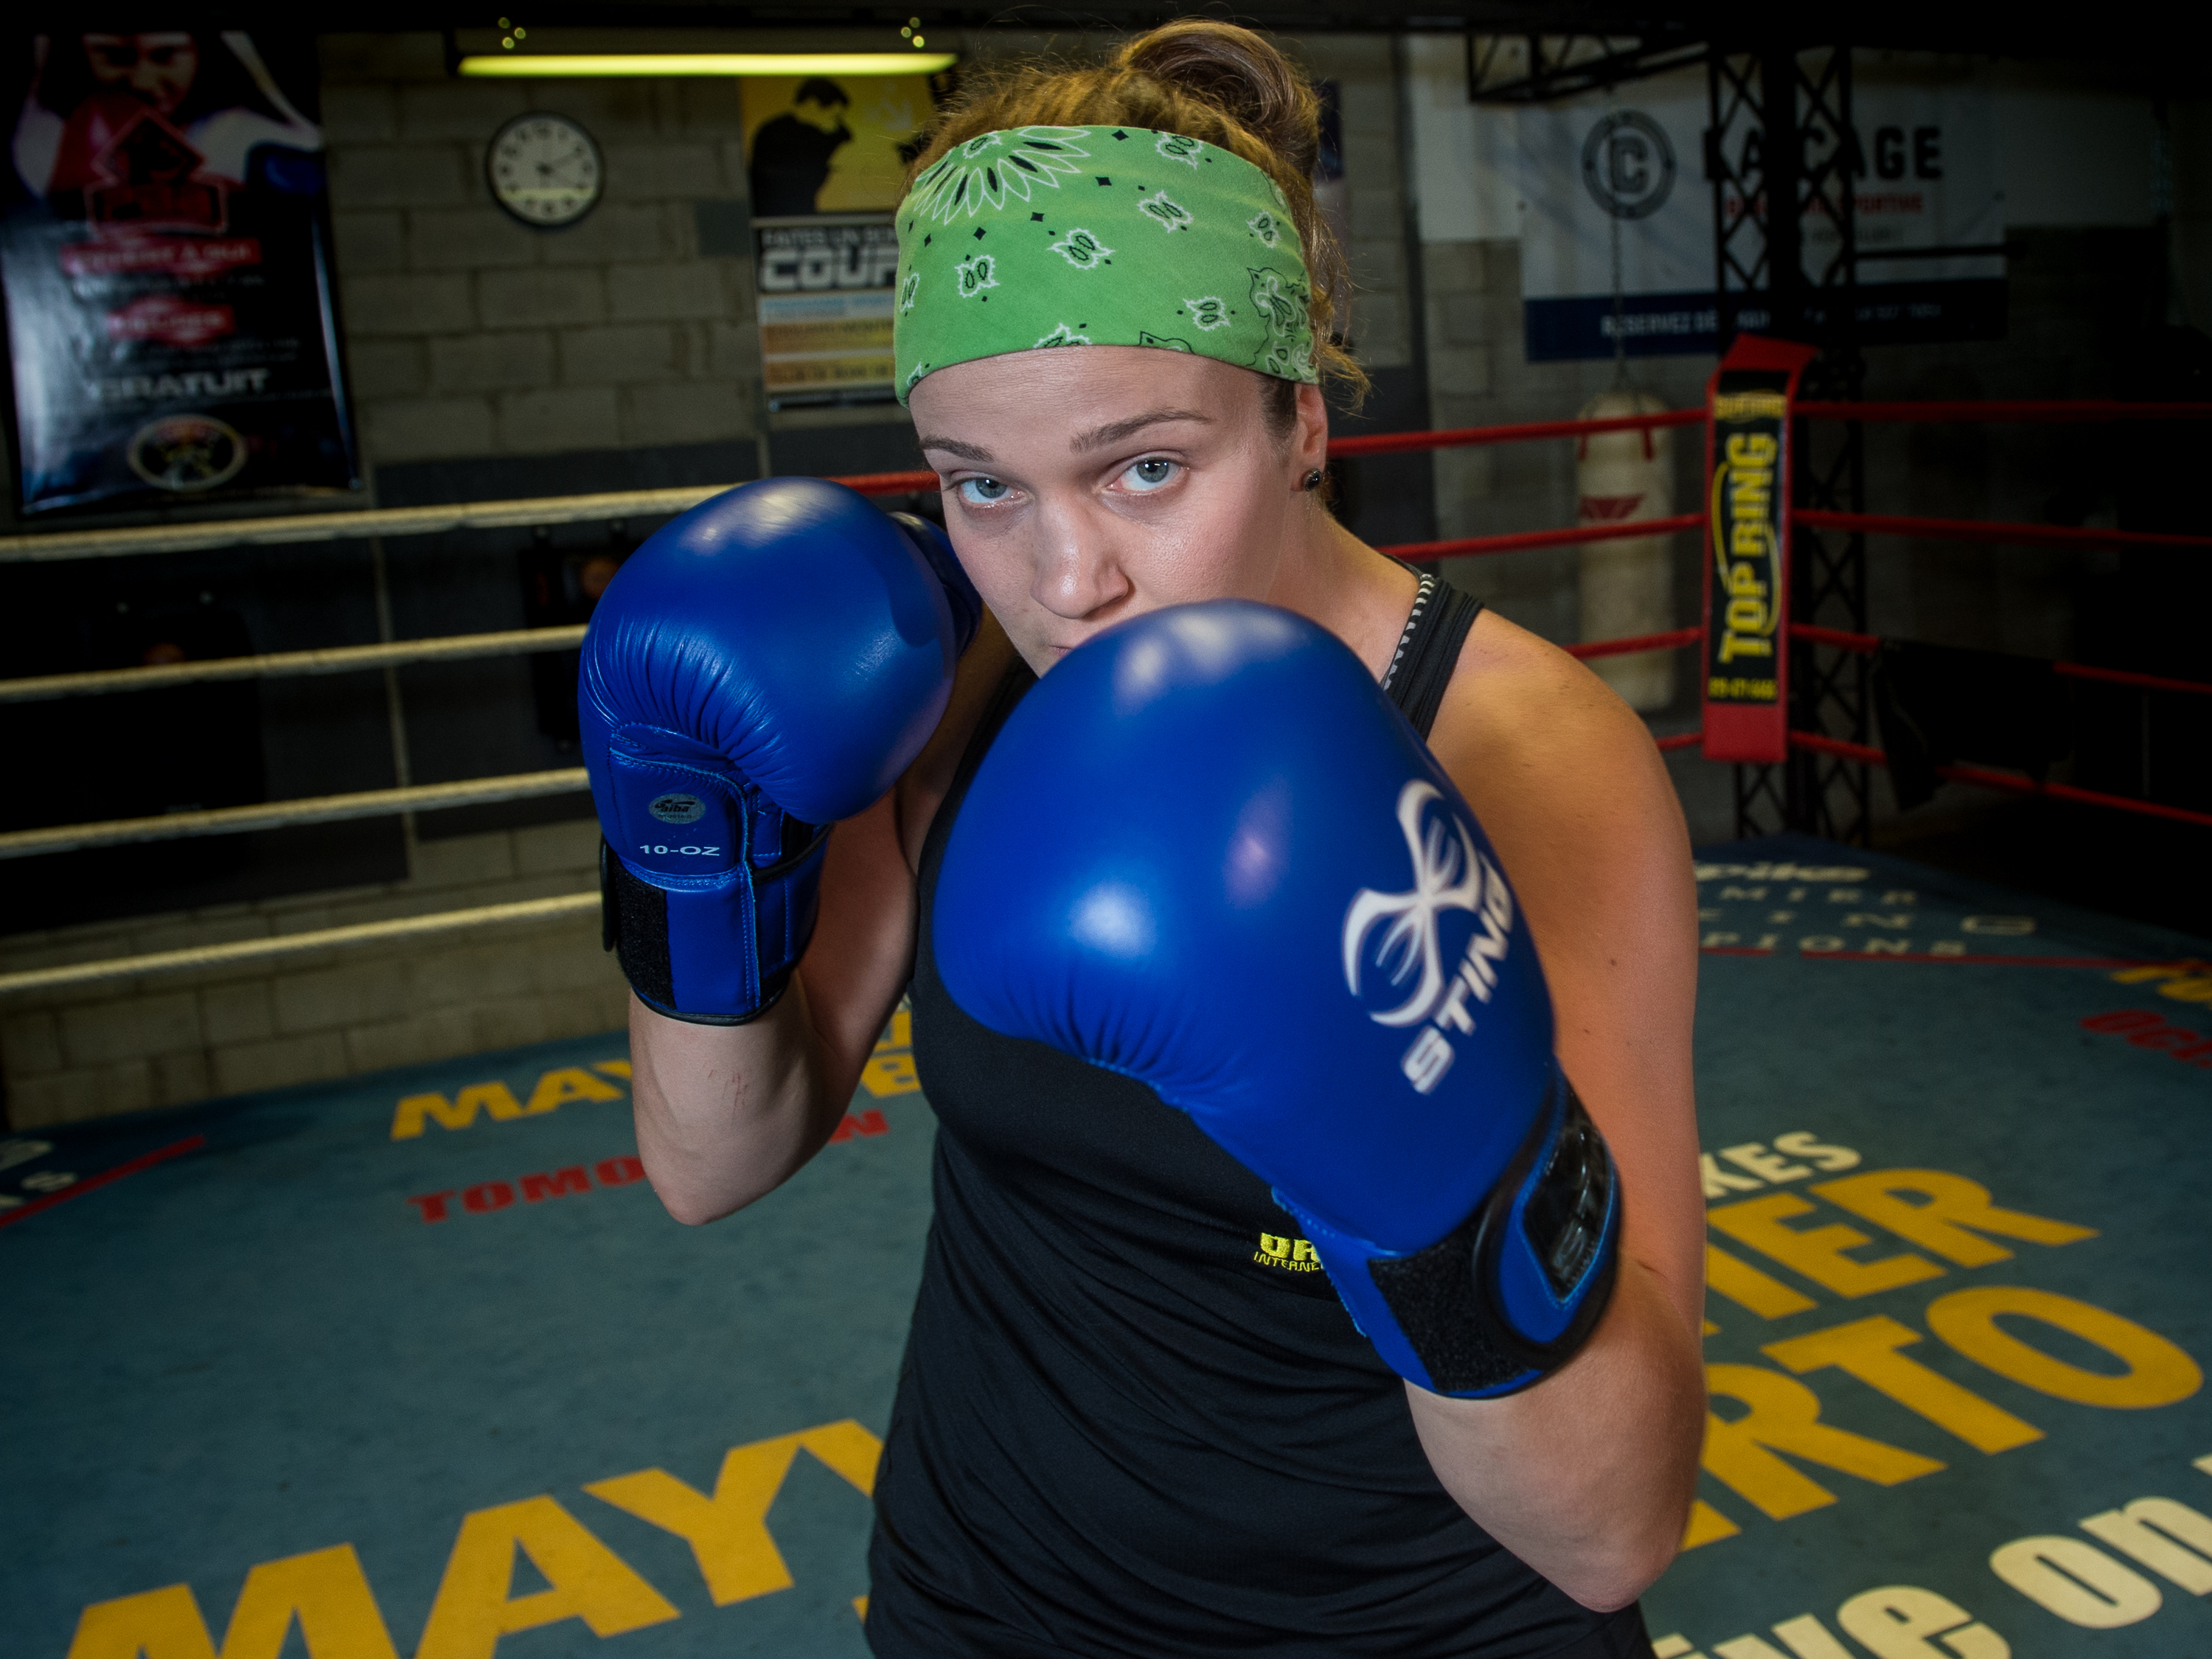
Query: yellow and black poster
[[821, 143]]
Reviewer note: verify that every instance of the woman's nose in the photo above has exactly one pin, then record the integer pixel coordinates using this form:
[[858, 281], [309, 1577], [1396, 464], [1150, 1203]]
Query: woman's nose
[[1077, 572]]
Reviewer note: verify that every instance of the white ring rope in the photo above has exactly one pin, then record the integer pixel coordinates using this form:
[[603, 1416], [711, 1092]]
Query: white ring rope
[[334, 659], [279, 814], [279, 532], [285, 944]]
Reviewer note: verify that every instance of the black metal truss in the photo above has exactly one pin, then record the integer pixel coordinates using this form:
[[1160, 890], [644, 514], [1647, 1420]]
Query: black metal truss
[[1735, 156], [1829, 693], [1534, 68], [1781, 133]]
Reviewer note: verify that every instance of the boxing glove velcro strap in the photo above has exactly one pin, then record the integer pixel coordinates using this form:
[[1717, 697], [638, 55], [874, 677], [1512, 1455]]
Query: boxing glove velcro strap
[[1432, 1296], [682, 945], [634, 925], [1510, 1295]]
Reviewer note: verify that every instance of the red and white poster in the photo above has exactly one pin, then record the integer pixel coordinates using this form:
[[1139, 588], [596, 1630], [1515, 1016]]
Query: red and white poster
[[164, 256]]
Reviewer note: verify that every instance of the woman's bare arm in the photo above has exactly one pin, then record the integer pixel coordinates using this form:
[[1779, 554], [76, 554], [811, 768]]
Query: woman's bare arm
[[728, 1113], [1587, 1476]]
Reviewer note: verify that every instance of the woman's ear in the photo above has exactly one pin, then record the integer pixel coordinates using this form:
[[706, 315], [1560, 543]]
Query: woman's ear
[[1310, 437]]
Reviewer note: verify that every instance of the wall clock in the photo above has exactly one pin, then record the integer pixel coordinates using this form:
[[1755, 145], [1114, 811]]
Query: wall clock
[[545, 170]]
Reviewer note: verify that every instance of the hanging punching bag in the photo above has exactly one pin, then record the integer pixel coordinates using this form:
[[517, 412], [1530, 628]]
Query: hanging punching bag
[[1627, 586]]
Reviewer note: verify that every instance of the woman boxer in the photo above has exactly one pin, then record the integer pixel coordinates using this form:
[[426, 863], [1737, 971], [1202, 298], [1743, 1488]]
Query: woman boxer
[[1135, 1417]]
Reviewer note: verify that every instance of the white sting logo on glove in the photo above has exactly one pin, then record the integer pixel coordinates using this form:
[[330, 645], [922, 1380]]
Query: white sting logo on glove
[[1448, 874]]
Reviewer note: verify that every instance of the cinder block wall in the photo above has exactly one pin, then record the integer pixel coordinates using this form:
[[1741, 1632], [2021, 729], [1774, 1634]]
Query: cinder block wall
[[469, 334], [471, 337], [467, 337], [122, 1047], [1478, 376], [1365, 74]]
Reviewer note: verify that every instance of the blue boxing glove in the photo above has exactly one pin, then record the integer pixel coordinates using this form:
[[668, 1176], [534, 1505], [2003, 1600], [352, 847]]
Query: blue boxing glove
[[761, 666], [1206, 852]]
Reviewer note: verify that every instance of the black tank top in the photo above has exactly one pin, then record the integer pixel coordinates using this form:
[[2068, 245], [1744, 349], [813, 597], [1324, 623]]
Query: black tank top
[[1133, 1419]]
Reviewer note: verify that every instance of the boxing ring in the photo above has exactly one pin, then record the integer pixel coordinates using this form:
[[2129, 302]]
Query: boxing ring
[[412, 1363]]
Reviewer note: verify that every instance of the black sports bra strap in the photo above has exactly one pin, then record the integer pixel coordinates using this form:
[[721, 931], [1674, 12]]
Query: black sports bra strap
[[1013, 685], [1428, 651]]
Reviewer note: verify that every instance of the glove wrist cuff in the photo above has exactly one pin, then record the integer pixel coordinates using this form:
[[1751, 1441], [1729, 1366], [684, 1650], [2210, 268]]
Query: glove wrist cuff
[[1511, 1294], [713, 951], [768, 999]]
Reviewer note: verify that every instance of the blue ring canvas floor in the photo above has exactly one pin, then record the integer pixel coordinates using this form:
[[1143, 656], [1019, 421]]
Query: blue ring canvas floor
[[258, 1368]]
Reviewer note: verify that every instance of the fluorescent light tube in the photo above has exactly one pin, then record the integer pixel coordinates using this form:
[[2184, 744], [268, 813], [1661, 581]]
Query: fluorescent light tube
[[587, 66]]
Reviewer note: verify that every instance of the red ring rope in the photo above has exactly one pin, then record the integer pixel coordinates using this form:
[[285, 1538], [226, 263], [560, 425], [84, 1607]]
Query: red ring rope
[[2089, 410], [1392, 443], [2011, 781], [2076, 671], [1472, 547], [1673, 640], [1866, 645], [2084, 412], [1978, 530]]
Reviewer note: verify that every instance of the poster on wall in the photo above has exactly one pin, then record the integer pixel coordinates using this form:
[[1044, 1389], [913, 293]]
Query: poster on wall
[[826, 308], [1925, 170], [825, 160], [819, 143], [164, 253]]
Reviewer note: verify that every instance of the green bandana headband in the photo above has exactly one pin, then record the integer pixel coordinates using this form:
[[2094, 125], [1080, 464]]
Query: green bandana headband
[[1070, 236]]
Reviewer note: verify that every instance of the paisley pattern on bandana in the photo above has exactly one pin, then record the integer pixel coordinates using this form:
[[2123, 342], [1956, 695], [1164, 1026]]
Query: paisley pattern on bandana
[[1165, 212], [1037, 238], [973, 275], [1284, 311], [985, 174], [1083, 250]]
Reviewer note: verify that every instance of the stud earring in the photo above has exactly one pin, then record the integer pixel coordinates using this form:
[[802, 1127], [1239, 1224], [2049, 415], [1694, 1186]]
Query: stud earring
[[1313, 479]]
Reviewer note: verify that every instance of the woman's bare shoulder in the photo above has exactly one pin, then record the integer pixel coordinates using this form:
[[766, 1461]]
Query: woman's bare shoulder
[[1523, 725], [1571, 790]]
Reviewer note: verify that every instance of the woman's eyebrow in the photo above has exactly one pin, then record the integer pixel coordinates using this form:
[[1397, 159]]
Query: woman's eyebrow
[[1113, 433], [954, 446]]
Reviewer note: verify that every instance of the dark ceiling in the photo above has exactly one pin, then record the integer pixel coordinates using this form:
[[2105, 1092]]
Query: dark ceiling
[[2013, 31]]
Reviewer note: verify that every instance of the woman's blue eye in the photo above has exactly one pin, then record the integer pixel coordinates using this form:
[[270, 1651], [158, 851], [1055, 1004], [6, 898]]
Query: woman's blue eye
[[982, 490], [1149, 475]]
